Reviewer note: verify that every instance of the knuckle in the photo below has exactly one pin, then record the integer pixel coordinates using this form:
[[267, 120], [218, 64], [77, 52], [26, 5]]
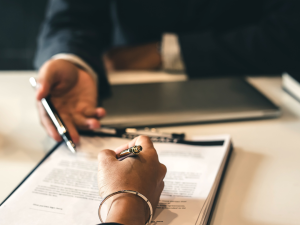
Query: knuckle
[[41, 122], [164, 168], [145, 141], [102, 156], [144, 138], [162, 186], [57, 138]]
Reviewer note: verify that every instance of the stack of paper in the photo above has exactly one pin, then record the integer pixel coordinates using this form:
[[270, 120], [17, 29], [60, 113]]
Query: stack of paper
[[63, 188]]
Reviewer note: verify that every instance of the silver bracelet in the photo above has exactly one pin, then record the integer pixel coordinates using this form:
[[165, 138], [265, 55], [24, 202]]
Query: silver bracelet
[[130, 192]]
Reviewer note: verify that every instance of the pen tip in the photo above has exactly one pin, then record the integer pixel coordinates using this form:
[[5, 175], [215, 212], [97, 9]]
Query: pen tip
[[71, 146], [32, 81]]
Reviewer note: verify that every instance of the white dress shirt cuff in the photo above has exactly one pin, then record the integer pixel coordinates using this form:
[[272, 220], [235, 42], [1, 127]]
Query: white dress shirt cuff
[[170, 52], [78, 62]]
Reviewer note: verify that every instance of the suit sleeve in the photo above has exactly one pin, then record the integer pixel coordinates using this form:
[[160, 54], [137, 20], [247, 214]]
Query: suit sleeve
[[271, 46], [79, 27]]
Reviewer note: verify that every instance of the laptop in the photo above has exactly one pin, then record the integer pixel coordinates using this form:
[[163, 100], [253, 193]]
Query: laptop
[[185, 102]]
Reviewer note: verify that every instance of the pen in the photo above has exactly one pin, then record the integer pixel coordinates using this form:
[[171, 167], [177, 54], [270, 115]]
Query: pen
[[130, 152], [57, 121]]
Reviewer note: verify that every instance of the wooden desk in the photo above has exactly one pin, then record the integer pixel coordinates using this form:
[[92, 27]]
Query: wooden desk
[[262, 183]]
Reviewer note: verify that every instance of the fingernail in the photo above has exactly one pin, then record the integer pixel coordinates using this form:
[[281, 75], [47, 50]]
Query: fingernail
[[93, 126]]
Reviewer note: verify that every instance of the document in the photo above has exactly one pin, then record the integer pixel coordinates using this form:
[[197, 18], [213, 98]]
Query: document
[[63, 189]]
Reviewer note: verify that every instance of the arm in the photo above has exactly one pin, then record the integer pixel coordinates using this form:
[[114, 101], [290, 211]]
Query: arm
[[79, 27], [270, 46], [143, 174]]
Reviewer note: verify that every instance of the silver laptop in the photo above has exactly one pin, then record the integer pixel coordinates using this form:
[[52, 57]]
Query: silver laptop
[[185, 102]]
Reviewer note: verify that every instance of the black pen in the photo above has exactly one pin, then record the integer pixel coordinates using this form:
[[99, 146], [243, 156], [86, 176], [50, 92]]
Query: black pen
[[57, 121]]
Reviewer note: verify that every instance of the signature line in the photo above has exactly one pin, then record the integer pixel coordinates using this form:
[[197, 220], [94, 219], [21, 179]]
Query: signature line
[[46, 211]]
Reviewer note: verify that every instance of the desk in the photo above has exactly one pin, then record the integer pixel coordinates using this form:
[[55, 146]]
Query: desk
[[262, 183]]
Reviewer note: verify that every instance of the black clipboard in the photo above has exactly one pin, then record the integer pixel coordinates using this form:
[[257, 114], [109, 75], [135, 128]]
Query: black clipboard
[[43, 159], [199, 143]]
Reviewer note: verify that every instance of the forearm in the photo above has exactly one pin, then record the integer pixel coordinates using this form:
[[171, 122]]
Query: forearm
[[79, 28]]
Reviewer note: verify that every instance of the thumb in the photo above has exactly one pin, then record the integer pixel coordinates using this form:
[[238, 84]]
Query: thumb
[[45, 80], [43, 90]]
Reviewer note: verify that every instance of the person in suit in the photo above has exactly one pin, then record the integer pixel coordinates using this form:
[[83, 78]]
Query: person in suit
[[80, 39]]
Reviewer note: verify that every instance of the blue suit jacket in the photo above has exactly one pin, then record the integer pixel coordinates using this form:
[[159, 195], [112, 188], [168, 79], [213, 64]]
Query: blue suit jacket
[[217, 37]]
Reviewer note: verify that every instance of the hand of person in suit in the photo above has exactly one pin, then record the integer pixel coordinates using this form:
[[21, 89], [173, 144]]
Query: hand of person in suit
[[141, 57], [74, 95], [143, 174]]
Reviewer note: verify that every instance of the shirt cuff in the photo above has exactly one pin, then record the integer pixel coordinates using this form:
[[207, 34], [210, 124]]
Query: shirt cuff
[[171, 54], [78, 62]]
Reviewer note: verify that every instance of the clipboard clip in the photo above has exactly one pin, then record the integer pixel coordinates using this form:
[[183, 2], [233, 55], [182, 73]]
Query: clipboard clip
[[152, 133]]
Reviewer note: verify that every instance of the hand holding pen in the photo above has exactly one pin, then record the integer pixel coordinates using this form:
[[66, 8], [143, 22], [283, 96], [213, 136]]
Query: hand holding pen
[[74, 95], [56, 119], [143, 173]]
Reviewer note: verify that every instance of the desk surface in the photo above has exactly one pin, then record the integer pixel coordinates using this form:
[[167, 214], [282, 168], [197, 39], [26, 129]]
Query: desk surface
[[262, 183]]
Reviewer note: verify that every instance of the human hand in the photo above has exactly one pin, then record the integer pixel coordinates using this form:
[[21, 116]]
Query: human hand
[[74, 95], [143, 174], [141, 57]]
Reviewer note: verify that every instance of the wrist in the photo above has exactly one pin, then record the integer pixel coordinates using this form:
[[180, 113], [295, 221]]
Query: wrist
[[78, 62], [128, 209]]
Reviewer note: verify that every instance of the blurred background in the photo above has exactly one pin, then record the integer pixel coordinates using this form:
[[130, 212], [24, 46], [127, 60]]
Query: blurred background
[[19, 25]]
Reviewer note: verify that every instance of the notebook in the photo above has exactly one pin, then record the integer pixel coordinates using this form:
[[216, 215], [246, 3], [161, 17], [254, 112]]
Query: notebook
[[62, 189], [185, 102]]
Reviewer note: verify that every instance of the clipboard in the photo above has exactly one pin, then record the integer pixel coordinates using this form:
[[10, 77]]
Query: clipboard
[[200, 143], [35, 168]]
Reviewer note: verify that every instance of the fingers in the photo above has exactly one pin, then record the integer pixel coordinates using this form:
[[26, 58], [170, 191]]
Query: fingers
[[100, 112], [162, 173], [83, 123], [105, 157], [67, 119], [142, 140], [51, 129], [60, 79], [43, 90], [72, 122], [60, 74], [45, 80], [145, 142], [163, 170], [126, 146], [47, 123], [94, 112], [89, 118]]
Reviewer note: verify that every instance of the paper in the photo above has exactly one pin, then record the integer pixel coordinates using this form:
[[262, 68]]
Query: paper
[[63, 190]]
